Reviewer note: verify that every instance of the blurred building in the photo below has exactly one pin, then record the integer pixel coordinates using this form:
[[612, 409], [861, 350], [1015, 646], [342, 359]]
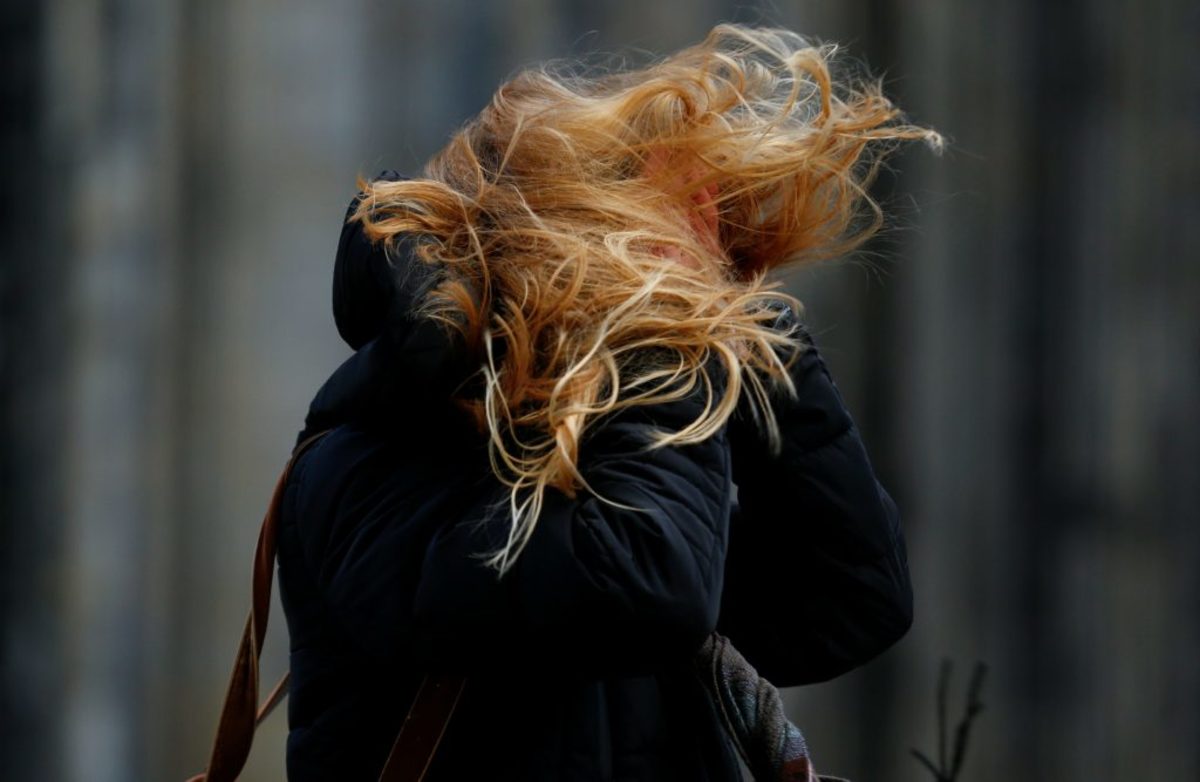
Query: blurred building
[[1022, 351]]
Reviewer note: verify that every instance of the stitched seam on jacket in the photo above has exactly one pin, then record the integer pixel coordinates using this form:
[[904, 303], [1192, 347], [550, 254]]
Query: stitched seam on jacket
[[832, 440]]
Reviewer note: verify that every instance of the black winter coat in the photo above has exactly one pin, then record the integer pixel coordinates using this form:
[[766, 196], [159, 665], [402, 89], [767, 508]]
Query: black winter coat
[[579, 659]]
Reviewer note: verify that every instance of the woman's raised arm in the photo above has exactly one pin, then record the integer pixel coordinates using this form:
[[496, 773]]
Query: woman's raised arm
[[601, 589], [817, 576]]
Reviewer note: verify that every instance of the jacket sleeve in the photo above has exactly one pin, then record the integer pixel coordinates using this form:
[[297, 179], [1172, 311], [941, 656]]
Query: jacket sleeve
[[817, 576], [599, 589]]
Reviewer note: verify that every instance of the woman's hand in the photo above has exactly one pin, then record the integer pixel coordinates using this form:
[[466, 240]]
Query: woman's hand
[[702, 215]]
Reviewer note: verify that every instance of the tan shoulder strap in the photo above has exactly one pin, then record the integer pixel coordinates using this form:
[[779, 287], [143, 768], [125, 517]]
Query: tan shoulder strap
[[419, 735]]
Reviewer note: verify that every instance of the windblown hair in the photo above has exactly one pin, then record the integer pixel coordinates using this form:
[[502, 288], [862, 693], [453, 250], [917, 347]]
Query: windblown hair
[[550, 230]]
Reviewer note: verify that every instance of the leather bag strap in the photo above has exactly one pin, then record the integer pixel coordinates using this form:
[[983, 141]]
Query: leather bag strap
[[420, 733], [240, 713], [423, 728]]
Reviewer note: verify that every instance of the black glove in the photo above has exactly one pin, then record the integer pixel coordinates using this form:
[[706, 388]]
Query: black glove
[[817, 416]]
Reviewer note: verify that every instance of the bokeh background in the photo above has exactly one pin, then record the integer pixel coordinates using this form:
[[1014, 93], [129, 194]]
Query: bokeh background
[[1021, 351]]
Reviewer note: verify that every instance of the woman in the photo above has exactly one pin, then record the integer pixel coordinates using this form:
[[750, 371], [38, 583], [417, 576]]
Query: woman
[[567, 357]]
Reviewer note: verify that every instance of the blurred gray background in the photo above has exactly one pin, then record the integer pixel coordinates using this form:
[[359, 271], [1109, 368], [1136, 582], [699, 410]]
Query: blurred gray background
[[1022, 352]]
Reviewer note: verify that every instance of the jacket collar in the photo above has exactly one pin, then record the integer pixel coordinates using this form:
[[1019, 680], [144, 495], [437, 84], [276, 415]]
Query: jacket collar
[[404, 377]]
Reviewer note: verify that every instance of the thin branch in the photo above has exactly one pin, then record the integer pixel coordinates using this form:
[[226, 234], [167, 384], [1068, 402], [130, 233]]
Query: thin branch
[[974, 706], [927, 763]]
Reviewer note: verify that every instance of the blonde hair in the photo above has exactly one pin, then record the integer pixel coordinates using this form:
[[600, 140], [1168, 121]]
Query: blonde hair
[[547, 233]]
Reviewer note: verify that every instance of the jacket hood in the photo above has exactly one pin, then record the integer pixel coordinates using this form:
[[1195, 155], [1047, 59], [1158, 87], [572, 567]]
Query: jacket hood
[[404, 368], [366, 279]]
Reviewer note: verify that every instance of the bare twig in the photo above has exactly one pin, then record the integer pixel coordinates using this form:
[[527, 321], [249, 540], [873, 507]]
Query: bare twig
[[974, 706]]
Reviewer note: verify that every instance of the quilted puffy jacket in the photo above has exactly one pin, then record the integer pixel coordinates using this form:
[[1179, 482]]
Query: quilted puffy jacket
[[578, 661]]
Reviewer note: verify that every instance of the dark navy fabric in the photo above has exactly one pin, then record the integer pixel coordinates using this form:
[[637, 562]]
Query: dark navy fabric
[[579, 659]]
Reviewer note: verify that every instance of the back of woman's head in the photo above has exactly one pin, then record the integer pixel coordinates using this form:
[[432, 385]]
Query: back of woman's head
[[555, 221]]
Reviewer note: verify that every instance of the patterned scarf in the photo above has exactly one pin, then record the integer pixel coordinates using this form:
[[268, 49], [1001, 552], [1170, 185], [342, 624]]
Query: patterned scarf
[[771, 746]]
